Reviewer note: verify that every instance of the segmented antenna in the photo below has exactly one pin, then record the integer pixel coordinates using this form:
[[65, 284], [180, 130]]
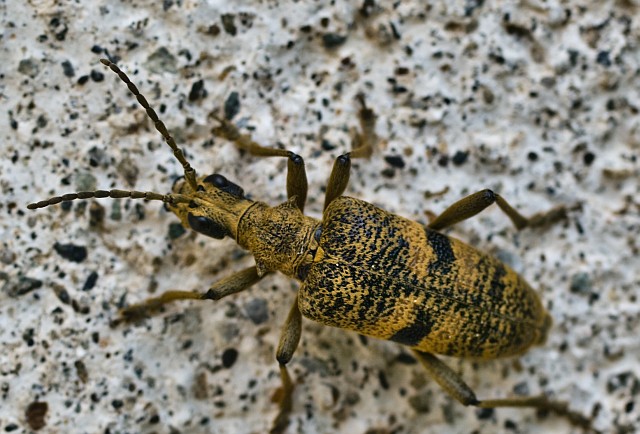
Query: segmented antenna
[[189, 172], [114, 194]]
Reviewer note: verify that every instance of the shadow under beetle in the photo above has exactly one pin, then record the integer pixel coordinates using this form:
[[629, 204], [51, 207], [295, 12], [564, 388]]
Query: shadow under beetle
[[361, 268]]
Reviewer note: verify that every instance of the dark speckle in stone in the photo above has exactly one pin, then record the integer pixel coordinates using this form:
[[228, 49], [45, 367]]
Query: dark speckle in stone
[[333, 40], [421, 402], [176, 230], [67, 68], [588, 158], [29, 67], [232, 106], [459, 158], [35, 415], [603, 58], [71, 252], [197, 91], [580, 283], [484, 413], [257, 310], [395, 161], [229, 357], [20, 286], [443, 161], [90, 282], [228, 24], [388, 173], [97, 76], [327, 145]]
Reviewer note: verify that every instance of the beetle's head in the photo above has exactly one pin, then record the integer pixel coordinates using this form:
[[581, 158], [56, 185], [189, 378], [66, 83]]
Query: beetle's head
[[214, 208]]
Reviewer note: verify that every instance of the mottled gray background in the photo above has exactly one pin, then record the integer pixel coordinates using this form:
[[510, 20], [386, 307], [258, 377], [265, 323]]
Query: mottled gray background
[[537, 100]]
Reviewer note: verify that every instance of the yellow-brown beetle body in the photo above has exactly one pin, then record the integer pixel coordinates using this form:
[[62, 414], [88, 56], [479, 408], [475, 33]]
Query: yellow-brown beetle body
[[373, 272], [391, 278]]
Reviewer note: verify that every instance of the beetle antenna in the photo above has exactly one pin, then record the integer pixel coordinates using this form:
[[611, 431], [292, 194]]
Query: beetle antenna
[[189, 172], [114, 194]]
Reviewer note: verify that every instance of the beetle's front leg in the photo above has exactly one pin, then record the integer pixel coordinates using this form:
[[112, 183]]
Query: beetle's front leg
[[289, 340], [455, 386], [230, 285], [363, 144], [473, 204]]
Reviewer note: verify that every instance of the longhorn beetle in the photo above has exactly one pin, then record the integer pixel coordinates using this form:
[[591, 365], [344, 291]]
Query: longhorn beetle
[[360, 268]]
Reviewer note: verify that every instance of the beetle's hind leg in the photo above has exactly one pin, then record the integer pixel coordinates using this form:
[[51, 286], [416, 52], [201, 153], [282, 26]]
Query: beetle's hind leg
[[473, 204], [363, 144], [296, 174], [230, 285], [455, 386], [289, 340]]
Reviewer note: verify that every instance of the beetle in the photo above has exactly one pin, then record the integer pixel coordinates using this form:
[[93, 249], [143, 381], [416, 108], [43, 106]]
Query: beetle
[[360, 267]]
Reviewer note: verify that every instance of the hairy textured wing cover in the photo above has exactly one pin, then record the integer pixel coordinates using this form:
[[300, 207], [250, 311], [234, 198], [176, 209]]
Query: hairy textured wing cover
[[392, 278]]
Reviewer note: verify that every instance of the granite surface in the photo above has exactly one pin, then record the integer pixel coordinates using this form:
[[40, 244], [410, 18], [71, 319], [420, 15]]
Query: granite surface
[[537, 100]]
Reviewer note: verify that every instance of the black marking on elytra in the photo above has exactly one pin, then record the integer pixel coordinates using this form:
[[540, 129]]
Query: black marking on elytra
[[425, 321], [441, 246], [412, 334], [206, 226], [225, 185]]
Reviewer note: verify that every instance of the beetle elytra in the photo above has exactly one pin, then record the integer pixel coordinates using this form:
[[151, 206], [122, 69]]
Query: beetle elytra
[[360, 268]]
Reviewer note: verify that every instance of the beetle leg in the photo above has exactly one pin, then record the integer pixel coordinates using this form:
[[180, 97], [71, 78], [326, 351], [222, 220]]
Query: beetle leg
[[473, 204], [230, 285], [296, 173], [289, 340], [455, 386], [362, 147]]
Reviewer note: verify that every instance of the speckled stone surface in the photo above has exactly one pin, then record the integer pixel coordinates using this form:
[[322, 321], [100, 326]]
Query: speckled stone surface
[[536, 100]]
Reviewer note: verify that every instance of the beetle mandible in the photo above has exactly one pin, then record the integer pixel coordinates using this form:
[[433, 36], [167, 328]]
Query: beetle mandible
[[360, 268]]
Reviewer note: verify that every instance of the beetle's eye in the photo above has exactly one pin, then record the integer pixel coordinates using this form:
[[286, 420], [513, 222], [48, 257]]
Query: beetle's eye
[[217, 180], [206, 226], [225, 185]]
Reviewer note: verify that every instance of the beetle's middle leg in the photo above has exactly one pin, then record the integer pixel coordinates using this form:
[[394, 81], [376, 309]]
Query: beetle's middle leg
[[289, 340], [230, 285], [296, 174], [455, 386], [471, 205]]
